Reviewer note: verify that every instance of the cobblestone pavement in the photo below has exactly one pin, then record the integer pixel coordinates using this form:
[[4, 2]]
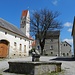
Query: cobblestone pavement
[[68, 66]]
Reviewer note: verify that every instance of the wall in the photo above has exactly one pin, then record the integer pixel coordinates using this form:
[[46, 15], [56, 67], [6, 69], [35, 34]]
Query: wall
[[65, 49], [51, 50], [12, 37]]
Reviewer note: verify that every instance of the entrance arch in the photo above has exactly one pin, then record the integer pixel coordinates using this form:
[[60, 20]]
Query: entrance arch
[[4, 46]]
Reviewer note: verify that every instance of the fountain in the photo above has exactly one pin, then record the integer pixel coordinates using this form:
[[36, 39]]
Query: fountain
[[34, 67]]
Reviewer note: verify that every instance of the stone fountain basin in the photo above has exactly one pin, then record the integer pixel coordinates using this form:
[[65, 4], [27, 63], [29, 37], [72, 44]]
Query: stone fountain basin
[[34, 68]]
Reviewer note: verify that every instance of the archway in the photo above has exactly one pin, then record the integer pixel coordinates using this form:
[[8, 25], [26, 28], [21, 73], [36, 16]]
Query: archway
[[4, 46]]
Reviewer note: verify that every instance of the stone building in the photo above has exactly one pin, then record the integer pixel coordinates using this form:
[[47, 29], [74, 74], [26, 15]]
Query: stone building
[[54, 46], [66, 49], [52, 43], [14, 42]]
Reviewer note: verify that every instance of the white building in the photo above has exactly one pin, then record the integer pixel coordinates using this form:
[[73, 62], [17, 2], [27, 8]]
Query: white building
[[15, 42]]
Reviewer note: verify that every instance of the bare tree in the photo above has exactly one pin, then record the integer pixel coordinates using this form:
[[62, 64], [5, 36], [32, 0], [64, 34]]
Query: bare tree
[[43, 21]]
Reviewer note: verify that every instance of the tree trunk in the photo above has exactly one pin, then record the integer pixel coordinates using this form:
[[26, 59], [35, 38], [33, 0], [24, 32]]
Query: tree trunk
[[42, 51], [42, 43]]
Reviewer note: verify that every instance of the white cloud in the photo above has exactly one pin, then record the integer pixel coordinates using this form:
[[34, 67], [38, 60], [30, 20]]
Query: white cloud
[[54, 2], [70, 30], [68, 24], [70, 41]]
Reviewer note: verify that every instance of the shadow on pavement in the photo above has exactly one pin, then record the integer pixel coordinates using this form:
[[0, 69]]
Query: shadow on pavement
[[7, 70], [64, 59]]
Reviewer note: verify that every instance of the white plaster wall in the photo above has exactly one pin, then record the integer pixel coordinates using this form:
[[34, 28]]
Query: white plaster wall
[[26, 29], [28, 25], [18, 39]]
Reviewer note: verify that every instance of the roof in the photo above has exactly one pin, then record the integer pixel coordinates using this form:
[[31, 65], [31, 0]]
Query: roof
[[66, 42], [8, 26], [51, 34], [73, 28], [24, 12], [31, 38], [57, 32]]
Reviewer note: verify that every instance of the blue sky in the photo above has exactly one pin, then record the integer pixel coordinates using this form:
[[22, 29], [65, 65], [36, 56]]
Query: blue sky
[[11, 11]]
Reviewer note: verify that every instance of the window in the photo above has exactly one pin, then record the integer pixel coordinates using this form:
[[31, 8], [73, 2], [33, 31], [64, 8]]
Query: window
[[24, 22], [63, 54], [29, 46], [25, 39], [51, 40], [51, 47], [15, 36], [20, 38], [5, 32], [51, 52], [20, 47], [67, 54], [29, 42], [24, 48], [15, 45], [64, 44]]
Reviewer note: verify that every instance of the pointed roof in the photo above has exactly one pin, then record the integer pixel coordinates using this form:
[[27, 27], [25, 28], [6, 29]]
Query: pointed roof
[[24, 12], [66, 42], [73, 28]]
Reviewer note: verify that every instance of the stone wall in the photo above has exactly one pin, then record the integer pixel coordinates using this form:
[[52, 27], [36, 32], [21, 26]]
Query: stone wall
[[34, 68]]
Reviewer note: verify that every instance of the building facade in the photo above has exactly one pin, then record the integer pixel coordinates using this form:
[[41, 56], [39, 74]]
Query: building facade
[[66, 49], [52, 44], [15, 42]]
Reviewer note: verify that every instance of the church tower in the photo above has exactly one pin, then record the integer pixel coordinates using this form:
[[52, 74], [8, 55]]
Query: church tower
[[25, 23]]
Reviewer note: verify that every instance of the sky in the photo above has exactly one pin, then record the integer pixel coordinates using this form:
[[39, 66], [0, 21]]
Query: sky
[[11, 10]]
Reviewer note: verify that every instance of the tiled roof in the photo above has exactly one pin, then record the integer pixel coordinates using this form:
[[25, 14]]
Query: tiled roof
[[8, 26], [24, 13]]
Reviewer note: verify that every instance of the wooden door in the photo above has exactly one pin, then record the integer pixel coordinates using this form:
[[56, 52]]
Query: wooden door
[[3, 50]]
